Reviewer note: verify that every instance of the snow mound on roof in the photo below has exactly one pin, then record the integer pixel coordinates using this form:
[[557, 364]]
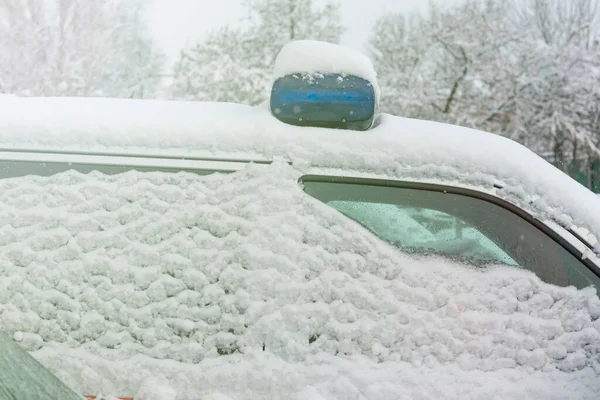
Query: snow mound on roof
[[312, 56], [398, 148], [101, 124], [205, 271]]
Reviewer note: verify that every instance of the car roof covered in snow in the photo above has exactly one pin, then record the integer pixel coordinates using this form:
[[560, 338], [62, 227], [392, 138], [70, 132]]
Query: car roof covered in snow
[[398, 148]]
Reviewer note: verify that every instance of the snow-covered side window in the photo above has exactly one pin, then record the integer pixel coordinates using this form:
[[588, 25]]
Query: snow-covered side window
[[458, 226]]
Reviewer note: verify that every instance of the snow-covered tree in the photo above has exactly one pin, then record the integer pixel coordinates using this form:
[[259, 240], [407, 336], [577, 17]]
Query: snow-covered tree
[[561, 62], [220, 69], [525, 69], [71, 47], [235, 64], [442, 65], [274, 23], [136, 64], [400, 53]]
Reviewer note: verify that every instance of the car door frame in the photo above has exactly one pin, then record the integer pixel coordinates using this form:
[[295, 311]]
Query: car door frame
[[588, 257]]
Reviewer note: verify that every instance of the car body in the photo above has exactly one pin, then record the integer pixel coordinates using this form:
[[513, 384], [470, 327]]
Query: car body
[[449, 191]]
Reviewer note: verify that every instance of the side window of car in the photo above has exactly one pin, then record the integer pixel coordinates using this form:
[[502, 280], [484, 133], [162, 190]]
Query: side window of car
[[425, 219], [424, 230]]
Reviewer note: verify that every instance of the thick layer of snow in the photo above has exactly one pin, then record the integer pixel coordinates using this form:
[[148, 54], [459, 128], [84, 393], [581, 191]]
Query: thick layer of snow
[[311, 56], [398, 148], [158, 127], [261, 375], [242, 286]]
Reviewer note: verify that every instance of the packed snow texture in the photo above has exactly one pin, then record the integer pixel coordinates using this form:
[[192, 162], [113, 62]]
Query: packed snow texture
[[398, 148], [312, 56], [242, 286]]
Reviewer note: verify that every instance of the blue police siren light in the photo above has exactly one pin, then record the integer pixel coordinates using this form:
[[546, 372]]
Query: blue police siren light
[[324, 100]]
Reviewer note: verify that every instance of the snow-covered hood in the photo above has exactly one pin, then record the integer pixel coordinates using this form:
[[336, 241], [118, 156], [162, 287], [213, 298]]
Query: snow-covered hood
[[398, 148]]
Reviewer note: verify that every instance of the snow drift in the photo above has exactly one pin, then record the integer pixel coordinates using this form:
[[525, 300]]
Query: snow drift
[[242, 286]]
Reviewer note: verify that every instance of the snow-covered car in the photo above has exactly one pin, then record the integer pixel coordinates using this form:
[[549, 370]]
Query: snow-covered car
[[181, 250]]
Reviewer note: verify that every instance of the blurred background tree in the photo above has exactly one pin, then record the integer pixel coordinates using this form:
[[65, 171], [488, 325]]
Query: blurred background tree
[[235, 64], [528, 70], [76, 48]]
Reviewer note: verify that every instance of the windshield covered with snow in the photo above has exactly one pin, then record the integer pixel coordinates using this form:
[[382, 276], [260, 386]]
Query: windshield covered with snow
[[132, 265], [206, 271]]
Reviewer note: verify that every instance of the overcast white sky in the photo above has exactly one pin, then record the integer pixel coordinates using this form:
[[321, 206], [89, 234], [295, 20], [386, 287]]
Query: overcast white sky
[[177, 23]]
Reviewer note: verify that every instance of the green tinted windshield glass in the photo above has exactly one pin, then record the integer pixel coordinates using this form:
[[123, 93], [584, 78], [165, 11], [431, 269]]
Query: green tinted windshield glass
[[424, 230], [23, 378], [454, 226]]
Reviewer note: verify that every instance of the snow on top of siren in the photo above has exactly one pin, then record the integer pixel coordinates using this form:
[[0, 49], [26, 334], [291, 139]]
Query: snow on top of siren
[[312, 56]]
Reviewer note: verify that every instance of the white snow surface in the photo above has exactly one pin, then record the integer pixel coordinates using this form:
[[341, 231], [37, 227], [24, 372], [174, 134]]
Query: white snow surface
[[241, 286], [312, 56], [398, 148]]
